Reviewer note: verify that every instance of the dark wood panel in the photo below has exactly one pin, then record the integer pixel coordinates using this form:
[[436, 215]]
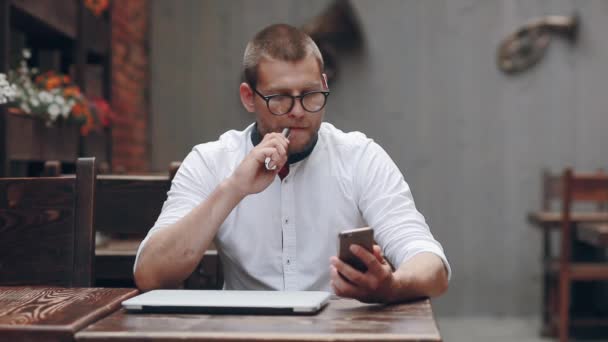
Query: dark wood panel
[[129, 204], [96, 33], [84, 231], [36, 230], [30, 139], [46, 231], [54, 314], [98, 145], [341, 320], [59, 16]]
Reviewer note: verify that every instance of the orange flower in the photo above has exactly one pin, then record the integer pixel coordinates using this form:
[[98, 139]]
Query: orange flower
[[66, 79], [53, 82], [71, 91], [78, 110]]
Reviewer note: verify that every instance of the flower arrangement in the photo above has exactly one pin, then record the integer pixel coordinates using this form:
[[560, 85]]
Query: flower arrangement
[[53, 97], [7, 90]]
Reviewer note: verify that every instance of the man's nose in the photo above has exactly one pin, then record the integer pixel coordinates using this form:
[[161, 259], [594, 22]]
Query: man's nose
[[297, 110]]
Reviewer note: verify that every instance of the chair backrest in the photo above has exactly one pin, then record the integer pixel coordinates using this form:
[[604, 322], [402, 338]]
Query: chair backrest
[[590, 188], [551, 192], [46, 229], [129, 205]]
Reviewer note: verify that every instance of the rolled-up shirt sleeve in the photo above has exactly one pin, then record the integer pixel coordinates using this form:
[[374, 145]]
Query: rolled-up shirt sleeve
[[387, 205], [192, 184]]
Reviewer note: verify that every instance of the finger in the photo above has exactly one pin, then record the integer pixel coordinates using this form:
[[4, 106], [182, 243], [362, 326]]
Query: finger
[[354, 276], [369, 259], [275, 137], [341, 287], [274, 162], [378, 254], [261, 154], [277, 142]]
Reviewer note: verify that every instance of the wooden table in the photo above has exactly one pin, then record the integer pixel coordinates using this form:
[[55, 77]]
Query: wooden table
[[54, 314], [341, 320]]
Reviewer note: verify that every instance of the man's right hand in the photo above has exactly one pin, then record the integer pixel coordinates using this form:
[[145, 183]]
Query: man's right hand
[[251, 176]]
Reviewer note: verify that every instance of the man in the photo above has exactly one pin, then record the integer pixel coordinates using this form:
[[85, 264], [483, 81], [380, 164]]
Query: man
[[277, 229]]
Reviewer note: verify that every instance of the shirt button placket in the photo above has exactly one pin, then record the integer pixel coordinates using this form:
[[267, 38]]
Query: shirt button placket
[[288, 235]]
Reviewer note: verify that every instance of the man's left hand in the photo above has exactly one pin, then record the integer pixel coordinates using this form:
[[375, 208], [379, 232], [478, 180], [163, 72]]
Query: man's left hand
[[374, 286]]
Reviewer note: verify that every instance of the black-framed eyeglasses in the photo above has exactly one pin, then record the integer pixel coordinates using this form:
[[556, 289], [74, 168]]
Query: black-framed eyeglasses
[[281, 104]]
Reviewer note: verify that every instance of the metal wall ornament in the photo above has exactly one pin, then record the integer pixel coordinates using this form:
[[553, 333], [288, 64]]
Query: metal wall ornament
[[336, 30], [526, 46]]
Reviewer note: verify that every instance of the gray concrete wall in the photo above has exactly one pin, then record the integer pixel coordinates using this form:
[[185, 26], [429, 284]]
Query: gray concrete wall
[[470, 140]]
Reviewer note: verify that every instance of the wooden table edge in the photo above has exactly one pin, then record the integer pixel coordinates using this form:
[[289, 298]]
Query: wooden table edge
[[245, 336], [101, 312]]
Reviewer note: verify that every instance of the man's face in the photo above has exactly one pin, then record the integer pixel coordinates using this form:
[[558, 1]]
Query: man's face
[[290, 78]]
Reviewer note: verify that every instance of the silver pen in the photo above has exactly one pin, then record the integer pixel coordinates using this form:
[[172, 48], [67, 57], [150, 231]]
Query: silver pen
[[267, 161]]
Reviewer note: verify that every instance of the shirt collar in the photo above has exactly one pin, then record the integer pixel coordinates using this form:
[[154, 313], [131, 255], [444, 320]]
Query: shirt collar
[[256, 138]]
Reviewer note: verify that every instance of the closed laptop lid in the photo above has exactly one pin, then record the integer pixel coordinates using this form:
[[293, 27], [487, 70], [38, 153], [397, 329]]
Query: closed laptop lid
[[228, 302]]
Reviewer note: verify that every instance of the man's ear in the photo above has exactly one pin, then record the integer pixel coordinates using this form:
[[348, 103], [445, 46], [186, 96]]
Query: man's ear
[[325, 85], [247, 97]]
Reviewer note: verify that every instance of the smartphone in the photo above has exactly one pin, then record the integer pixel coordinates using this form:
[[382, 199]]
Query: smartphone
[[363, 237]]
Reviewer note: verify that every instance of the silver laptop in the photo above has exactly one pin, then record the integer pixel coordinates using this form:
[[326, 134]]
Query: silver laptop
[[228, 302]]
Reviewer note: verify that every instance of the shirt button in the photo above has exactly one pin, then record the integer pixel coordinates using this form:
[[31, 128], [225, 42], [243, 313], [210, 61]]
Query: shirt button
[[286, 221], [288, 262]]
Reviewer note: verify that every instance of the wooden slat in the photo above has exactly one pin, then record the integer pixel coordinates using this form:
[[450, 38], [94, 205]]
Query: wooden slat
[[550, 219], [591, 187], [582, 271], [84, 231]]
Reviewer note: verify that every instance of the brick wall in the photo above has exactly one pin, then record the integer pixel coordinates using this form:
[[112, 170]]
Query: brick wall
[[130, 85]]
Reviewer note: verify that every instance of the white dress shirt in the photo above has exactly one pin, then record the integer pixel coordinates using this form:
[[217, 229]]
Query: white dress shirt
[[282, 238]]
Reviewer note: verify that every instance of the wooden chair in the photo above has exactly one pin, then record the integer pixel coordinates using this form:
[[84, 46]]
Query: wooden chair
[[46, 229], [577, 188]]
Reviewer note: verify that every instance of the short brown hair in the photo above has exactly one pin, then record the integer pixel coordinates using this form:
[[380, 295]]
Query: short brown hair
[[279, 41]]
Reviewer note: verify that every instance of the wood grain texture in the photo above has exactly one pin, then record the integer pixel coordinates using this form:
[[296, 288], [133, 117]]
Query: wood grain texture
[[54, 314], [341, 320], [46, 229]]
